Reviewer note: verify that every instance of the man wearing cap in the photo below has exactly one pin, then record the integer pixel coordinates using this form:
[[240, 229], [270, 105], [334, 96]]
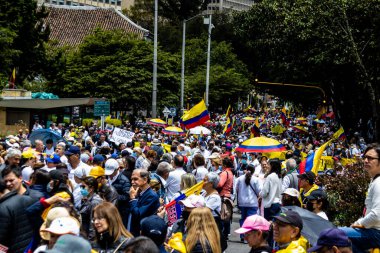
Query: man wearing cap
[[256, 231], [122, 185], [316, 202], [332, 240], [75, 164], [61, 226], [156, 146], [287, 233], [190, 203], [306, 184], [52, 161], [156, 229]]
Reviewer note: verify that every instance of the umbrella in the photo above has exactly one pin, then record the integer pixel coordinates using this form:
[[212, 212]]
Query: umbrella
[[248, 119], [157, 122], [173, 131], [44, 135], [261, 145], [200, 130], [313, 224]]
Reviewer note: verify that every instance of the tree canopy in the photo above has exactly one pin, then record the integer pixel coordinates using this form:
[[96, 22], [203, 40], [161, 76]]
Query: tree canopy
[[329, 43], [22, 37], [117, 66]]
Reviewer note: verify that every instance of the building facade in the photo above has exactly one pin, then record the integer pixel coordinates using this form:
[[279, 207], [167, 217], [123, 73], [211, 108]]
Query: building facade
[[229, 5], [117, 4]]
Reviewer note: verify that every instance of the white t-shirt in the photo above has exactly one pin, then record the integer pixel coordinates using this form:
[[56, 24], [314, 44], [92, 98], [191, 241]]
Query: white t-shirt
[[214, 202]]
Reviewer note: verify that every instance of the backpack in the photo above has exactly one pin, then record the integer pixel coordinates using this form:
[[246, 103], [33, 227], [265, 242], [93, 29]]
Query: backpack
[[227, 209]]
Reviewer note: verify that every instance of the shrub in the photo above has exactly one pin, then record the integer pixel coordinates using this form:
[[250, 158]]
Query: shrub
[[346, 194]]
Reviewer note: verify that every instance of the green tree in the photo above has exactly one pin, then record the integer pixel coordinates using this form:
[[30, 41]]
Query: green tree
[[117, 66], [330, 43], [22, 37], [229, 77]]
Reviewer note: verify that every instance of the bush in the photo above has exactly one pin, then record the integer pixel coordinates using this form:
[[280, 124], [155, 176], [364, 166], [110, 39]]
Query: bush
[[87, 122], [346, 194], [114, 122]]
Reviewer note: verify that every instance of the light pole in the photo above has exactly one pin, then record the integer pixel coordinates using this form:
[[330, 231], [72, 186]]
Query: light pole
[[208, 59], [183, 57], [154, 93]]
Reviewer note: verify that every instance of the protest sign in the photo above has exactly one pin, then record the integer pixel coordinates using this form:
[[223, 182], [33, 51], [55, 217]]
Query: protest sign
[[121, 136]]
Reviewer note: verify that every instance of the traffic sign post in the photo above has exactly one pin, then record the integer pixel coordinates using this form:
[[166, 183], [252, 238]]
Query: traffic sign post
[[166, 113], [102, 108]]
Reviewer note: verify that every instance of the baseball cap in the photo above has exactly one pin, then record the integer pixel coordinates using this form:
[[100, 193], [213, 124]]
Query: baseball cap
[[97, 172], [110, 166], [73, 150], [254, 222], [54, 158], [291, 192], [54, 213], [193, 201], [70, 243], [309, 175], [290, 217], [155, 228], [98, 159], [317, 195], [63, 225], [331, 237]]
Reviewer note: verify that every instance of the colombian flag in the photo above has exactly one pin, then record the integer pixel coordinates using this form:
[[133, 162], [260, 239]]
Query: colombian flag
[[283, 117], [12, 79], [255, 129], [311, 163], [174, 209], [196, 116], [228, 127], [339, 134]]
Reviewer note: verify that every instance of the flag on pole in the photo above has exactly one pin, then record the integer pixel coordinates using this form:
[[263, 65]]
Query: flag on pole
[[283, 117], [196, 116], [311, 163], [174, 209], [339, 134]]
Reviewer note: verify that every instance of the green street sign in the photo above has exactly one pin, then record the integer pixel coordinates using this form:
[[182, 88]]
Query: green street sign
[[102, 108]]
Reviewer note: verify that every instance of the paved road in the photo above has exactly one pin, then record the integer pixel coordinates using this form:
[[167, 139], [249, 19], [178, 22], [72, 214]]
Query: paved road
[[234, 244]]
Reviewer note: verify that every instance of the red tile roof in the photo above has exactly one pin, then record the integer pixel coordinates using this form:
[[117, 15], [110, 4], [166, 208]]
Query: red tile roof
[[70, 24]]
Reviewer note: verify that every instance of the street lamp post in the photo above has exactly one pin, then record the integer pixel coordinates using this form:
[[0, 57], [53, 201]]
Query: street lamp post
[[154, 93], [208, 59], [183, 58]]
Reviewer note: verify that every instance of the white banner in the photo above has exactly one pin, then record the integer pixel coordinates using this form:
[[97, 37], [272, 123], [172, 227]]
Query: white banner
[[121, 136]]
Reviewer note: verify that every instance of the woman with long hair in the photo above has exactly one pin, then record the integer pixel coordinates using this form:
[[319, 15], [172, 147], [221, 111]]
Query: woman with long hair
[[247, 189], [110, 233], [202, 232], [271, 192], [187, 181]]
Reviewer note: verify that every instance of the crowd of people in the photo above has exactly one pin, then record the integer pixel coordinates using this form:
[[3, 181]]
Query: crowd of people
[[85, 193]]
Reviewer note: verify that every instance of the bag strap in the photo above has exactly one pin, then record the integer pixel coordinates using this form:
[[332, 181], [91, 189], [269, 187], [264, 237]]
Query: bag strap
[[118, 247], [257, 195]]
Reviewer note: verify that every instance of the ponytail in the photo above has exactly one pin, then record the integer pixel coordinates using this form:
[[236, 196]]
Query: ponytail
[[250, 170]]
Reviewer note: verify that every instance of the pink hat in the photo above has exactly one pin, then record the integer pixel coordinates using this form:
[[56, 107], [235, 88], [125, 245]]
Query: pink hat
[[193, 201], [254, 222]]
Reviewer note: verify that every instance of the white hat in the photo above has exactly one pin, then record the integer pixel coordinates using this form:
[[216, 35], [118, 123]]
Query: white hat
[[193, 201], [292, 192], [110, 166], [80, 172], [63, 226], [214, 155], [156, 142]]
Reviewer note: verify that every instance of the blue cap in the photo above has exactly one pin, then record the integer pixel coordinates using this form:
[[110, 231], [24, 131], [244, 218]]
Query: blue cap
[[331, 237], [98, 159], [73, 150], [114, 156], [155, 228], [53, 158]]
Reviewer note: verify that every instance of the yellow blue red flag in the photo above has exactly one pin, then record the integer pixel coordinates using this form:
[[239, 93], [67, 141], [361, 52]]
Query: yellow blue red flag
[[196, 116]]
